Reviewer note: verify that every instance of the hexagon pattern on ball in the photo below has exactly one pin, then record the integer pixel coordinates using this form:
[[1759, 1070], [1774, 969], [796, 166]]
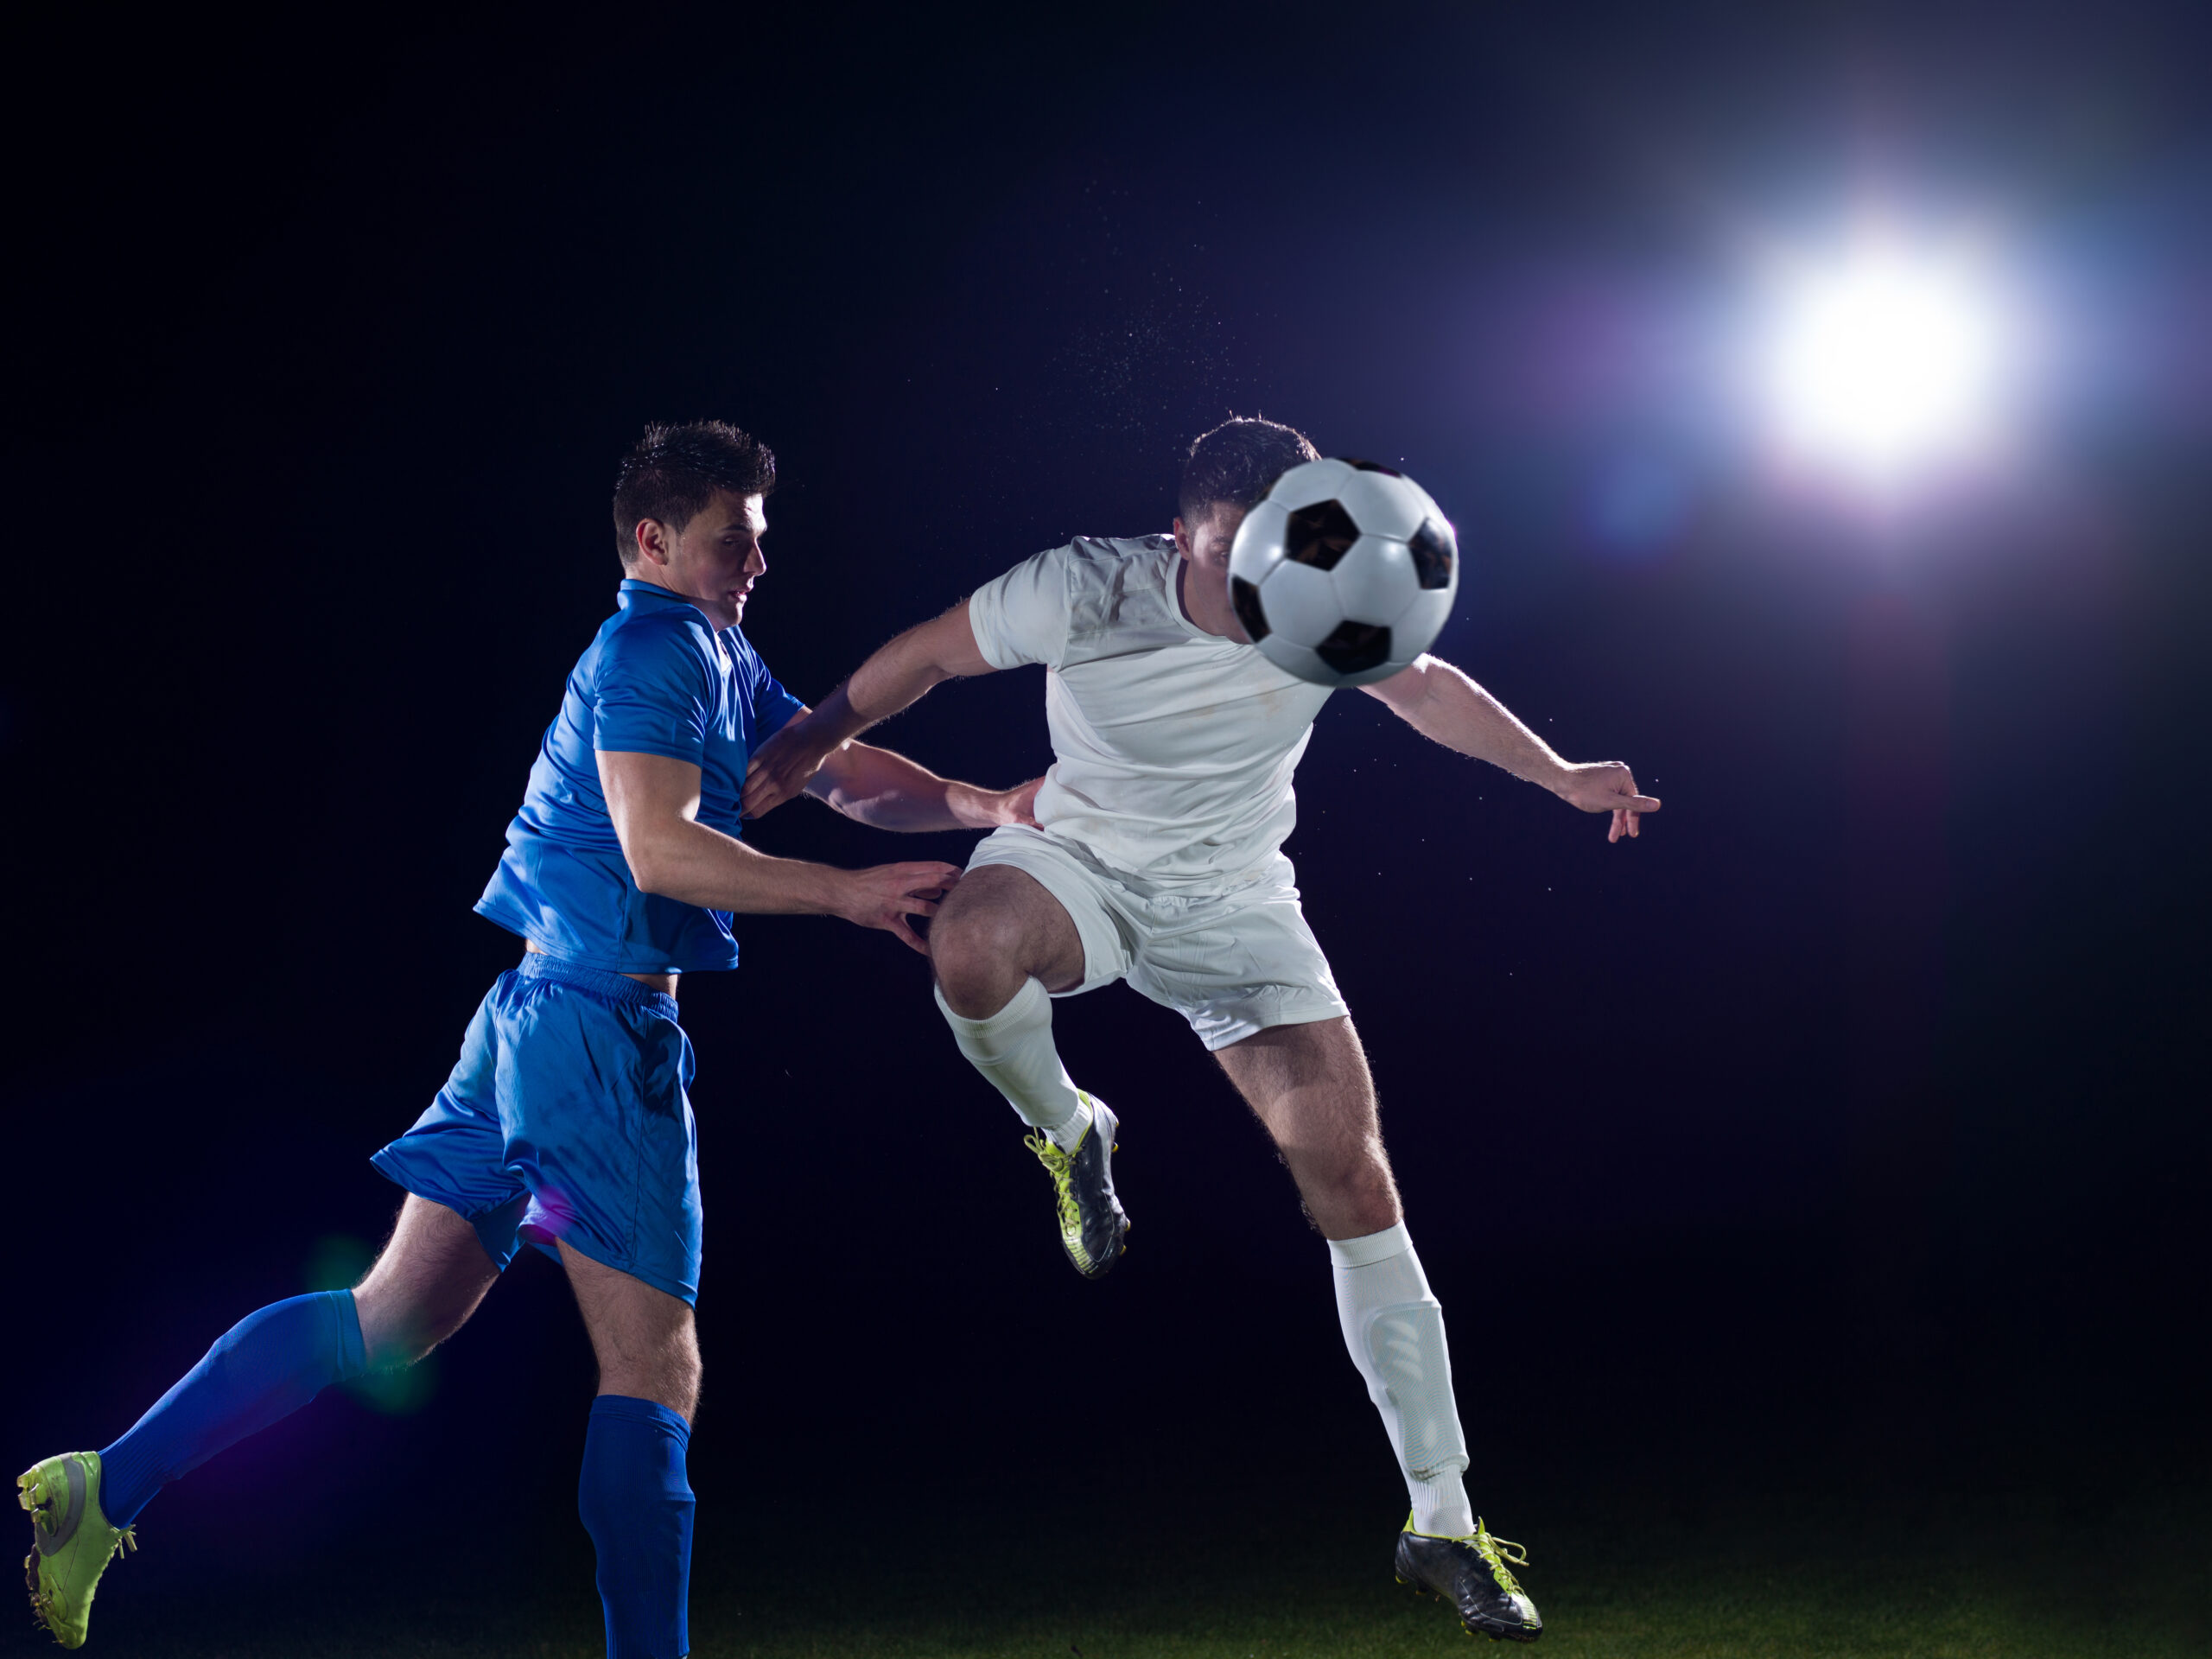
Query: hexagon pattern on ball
[[1418, 624], [1355, 647], [1319, 535], [1433, 553], [1310, 481], [1300, 603], [1382, 506], [1345, 573], [1244, 599], [1374, 580], [1260, 537]]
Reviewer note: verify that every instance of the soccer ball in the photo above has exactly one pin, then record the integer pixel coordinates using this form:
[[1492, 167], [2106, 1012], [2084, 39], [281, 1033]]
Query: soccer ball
[[1344, 573]]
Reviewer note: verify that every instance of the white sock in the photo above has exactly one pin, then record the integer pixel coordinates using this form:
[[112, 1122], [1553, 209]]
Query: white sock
[[1013, 1049], [1394, 1328]]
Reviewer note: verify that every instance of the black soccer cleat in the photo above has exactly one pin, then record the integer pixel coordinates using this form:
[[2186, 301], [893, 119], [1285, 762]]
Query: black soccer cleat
[[1091, 1219], [1471, 1573]]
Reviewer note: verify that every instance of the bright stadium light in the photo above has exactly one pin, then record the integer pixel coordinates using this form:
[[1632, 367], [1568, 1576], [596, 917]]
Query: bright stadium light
[[1884, 361]]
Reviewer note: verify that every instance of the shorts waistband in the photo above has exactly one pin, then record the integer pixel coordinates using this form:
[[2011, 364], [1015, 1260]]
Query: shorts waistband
[[615, 987]]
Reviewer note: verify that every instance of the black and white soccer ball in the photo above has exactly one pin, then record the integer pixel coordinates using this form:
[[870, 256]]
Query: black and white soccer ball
[[1344, 572]]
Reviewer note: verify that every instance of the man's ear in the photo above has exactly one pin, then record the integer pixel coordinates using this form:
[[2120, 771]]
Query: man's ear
[[652, 542], [1182, 536]]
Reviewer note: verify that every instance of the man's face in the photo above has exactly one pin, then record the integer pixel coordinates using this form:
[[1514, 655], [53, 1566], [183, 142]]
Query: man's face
[[1204, 544], [713, 561]]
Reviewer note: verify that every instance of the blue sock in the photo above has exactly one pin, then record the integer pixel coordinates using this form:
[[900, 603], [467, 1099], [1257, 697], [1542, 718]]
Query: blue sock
[[636, 1505], [264, 1368]]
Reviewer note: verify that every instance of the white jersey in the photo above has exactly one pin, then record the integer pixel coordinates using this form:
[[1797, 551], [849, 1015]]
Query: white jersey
[[1175, 745]]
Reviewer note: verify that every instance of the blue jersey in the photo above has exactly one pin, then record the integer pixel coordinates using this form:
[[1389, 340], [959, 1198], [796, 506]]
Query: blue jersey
[[657, 680]]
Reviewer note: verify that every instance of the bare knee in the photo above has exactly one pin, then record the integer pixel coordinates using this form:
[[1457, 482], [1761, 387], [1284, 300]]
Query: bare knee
[[669, 1375], [1348, 1193], [977, 950]]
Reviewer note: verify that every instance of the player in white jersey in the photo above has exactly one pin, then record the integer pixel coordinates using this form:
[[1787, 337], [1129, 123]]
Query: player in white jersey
[[1157, 858]]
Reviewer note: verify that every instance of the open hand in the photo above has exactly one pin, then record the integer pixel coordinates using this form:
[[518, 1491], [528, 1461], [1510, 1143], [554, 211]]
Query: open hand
[[780, 768], [888, 895], [1607, 787]]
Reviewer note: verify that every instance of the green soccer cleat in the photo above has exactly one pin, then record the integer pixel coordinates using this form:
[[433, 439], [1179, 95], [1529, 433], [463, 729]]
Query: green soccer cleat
[[1470, 1573], [75, 1543], [1091, 1219]]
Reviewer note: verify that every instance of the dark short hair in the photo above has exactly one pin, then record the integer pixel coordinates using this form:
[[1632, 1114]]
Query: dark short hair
[[1236, 463], [671, 473]]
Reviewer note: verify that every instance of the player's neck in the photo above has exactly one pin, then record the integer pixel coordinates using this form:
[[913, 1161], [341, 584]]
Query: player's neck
[[1201, 615], [718, 616]]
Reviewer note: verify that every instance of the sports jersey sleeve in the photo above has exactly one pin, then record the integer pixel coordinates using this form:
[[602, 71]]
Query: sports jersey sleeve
[[653, 695], [772, 706], [1022, 616]]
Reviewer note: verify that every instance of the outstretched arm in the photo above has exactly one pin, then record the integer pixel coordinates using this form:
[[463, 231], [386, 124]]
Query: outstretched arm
[[942, 648], [888, 792], [1439, 702], [654, 802]]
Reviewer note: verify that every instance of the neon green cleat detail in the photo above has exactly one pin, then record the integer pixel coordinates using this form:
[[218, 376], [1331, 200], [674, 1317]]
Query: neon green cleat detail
[[1092, 1220], [74, 1541], [1472, 1573]]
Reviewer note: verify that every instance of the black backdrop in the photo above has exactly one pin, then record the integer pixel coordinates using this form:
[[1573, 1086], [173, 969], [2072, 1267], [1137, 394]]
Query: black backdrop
[[1841, 1130]]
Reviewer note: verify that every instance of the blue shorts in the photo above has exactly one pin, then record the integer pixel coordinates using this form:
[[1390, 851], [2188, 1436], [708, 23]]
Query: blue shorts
[[566, 1119]]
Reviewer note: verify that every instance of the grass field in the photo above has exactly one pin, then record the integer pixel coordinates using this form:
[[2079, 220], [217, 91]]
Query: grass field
[[1759, 1580]]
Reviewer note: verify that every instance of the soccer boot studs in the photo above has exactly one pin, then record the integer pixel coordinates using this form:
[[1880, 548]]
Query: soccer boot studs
[[73, 1541], [1472, 1573], [1092, 1220]]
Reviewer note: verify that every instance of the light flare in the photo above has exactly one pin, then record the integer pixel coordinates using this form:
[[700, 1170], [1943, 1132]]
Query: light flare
[[1886, 361]]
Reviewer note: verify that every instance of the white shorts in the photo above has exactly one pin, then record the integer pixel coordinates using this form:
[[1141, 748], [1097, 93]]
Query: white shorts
[[1231, 964]]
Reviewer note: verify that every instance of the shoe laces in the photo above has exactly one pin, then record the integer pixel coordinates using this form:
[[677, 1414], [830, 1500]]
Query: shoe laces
[[1060, 1167], [1496, 1553]]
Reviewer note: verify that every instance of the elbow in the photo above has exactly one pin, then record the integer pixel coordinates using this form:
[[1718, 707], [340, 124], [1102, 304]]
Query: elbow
[[877, 812], [650, 871], [648, 881]]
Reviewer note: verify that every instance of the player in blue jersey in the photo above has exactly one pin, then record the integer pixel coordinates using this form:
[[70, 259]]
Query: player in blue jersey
[[565, 1124]]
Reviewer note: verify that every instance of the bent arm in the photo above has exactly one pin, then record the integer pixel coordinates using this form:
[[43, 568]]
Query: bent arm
[[1442, 703], [654, 803], [943, 648], [888, 792]]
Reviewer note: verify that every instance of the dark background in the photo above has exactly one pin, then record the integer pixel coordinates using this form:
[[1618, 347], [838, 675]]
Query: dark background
[[1841, 1140]]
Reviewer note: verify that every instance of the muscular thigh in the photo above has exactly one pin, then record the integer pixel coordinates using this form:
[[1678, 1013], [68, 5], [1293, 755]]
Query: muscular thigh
[[645, 1340], [426, 1282], [1307, 1082], [1001, 916]]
